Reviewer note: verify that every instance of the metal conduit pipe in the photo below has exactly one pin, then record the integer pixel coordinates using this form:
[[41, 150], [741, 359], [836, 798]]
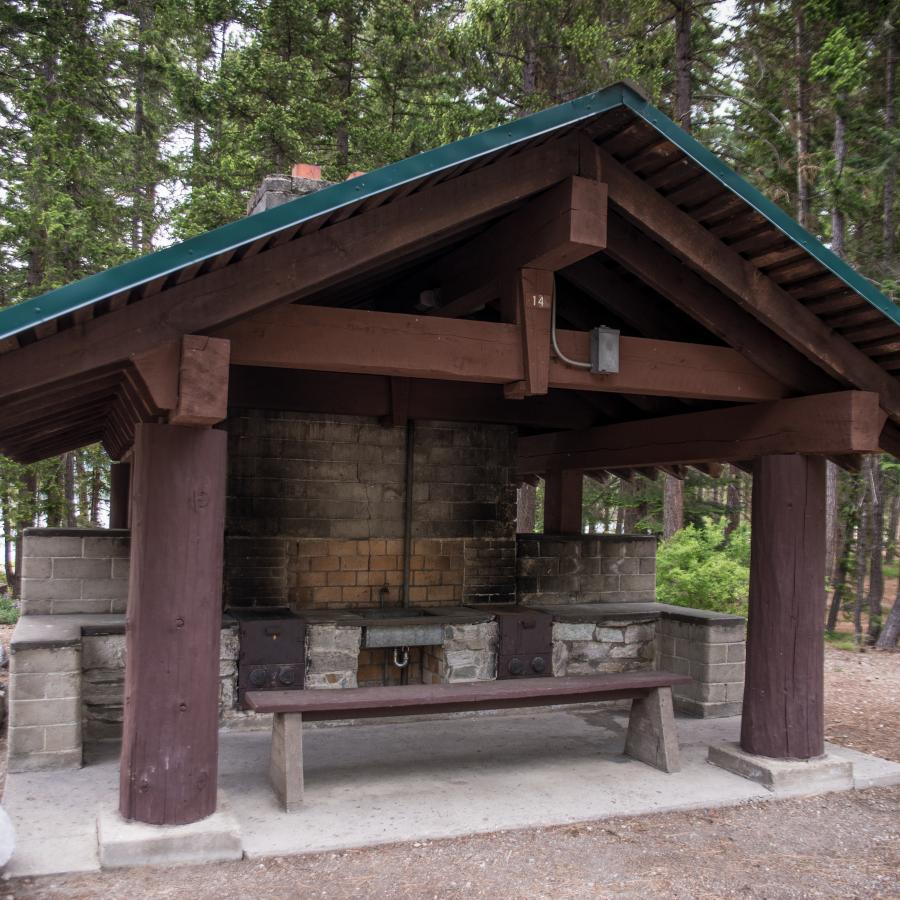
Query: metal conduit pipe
[[407, 514]]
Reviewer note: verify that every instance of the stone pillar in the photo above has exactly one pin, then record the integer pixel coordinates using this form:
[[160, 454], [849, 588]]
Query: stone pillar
[[783, 692], [119, 491], [562, 501], [170, 739]]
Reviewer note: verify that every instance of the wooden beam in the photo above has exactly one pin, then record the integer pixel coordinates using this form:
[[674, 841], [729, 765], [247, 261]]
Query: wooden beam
[[534, 298], [399, 391], [783, 711], [369, 395], [561, 226], [744, 283], [825, 424], [562, 501], [293, 270], [339, 340], [168, 769], [202, 381], [707, 305]]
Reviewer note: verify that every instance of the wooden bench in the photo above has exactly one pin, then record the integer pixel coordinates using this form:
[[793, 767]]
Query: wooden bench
[[651, 737]]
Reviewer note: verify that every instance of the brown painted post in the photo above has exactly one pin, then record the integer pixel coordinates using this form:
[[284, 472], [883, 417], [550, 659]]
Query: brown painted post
[[119, 491], [562, 501], [170, 740], [783, 688]]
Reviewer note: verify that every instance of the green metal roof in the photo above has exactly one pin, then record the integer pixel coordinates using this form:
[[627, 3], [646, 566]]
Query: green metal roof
[[95, 288]]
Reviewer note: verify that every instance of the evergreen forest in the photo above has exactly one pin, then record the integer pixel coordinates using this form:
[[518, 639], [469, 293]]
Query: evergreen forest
[[126, 125]]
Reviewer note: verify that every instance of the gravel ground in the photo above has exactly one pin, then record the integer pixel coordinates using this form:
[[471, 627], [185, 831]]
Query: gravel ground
[[839, 845]]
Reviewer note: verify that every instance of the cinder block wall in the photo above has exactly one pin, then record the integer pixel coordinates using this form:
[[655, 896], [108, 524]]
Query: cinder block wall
[[316, 506], [74, 571], [554, 569], [45, 708], [710, 647]]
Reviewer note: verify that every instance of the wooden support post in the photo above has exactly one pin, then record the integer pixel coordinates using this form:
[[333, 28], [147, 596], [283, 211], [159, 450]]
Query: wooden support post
[[119, 494], [286, 761], [170, 738], [562, 501], [783, 689], [533, 308]]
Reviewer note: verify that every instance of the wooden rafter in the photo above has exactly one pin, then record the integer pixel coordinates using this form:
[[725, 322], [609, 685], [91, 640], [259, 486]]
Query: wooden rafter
[[745, 284], [290, 271]]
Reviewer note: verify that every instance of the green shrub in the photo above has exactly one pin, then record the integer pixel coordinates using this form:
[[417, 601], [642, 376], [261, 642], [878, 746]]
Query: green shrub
[[9, 612], [704, 569]]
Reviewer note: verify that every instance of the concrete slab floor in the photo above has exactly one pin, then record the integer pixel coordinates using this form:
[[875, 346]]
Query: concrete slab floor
[[374, 783]]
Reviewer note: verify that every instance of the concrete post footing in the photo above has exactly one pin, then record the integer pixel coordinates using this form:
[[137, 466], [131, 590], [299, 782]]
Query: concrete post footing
[[789, 776], [123, 843]]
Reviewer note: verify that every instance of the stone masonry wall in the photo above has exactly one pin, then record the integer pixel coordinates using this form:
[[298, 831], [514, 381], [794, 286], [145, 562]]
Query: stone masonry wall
[[103, 683], [316, 507], [585, 569], [74, 571], [467, 654], [616, 645], [710, 648]]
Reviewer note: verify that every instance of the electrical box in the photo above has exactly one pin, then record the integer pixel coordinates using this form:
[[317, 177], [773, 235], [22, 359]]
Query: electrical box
[[604, 351]]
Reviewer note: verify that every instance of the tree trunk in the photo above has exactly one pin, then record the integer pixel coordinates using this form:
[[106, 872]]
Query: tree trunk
[[890, 165], [69, 512], [887, 640], [832, 518], [876, 531], [9, 542], [733, 501], [862, 555], [838, 228], [890, 549], [683, 88], [802, 127], [841, 572], [673, 506], [96, 494]]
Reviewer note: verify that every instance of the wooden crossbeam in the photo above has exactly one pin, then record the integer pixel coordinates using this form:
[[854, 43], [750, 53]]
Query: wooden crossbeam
[[371, 395], [292, 270], [340, 340], [846, 422], [744, 283]]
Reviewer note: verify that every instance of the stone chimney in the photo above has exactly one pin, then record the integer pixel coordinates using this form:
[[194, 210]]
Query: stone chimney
[[278, 189]]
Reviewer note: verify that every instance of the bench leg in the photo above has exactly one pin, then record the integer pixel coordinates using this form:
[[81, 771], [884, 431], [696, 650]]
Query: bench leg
[[286, 766], [652, 737]]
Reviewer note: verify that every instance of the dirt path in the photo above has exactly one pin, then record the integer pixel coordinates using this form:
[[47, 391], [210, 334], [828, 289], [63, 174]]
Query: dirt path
[[840, 845]]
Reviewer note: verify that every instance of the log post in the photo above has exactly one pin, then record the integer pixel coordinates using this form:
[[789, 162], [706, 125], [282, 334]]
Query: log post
[[562, 501], [170, 738], [119, 492], [783, 713]]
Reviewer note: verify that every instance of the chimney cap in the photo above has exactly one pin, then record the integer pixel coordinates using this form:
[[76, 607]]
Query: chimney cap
[[306, 170]]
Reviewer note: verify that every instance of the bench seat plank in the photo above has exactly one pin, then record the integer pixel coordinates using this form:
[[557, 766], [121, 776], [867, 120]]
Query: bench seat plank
[[318, 705]]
